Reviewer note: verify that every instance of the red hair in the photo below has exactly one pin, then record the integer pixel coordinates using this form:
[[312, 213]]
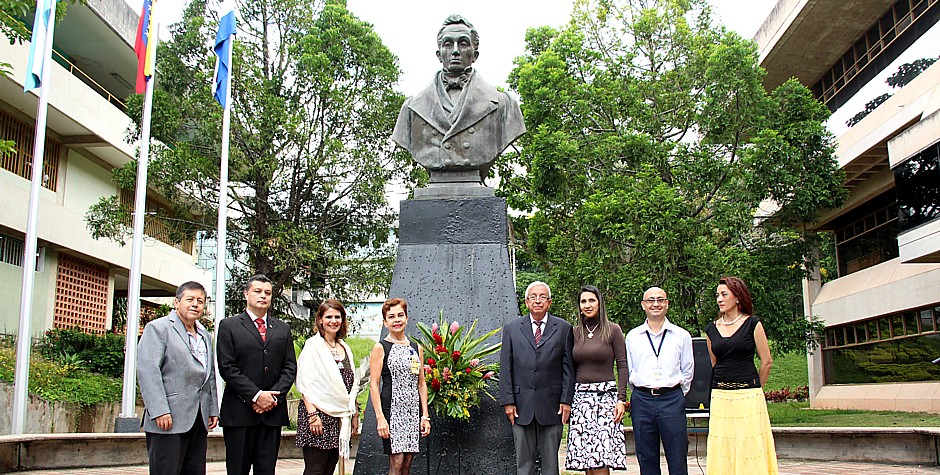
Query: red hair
[[739, 289]]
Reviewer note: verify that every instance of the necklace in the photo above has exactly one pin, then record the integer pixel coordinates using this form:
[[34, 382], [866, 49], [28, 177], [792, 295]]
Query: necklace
[[337, 355], [732, 322], [591, 330], [393, 340]]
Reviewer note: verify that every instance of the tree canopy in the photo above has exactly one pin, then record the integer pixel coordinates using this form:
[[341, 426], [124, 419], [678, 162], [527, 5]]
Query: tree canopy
[[310, 159], [655, 157]]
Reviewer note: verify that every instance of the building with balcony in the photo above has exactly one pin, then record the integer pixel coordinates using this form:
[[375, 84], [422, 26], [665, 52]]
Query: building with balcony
[[78, 277], [881, 307]]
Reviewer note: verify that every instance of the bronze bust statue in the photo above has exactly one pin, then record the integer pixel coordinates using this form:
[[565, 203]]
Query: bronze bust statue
[[459, 124]]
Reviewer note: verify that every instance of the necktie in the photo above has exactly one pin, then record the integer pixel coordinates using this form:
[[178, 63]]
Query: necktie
[[261, 328], [538, 331]]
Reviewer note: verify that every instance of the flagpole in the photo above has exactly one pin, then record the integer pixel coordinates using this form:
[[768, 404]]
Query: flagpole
[[223, 211], [129, 394], [24, 339]]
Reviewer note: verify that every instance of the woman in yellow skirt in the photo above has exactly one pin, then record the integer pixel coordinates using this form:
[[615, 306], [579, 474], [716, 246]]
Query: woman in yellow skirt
[[739, 437]]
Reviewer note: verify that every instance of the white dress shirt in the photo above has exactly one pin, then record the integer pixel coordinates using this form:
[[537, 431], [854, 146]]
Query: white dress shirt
[[674, 365]]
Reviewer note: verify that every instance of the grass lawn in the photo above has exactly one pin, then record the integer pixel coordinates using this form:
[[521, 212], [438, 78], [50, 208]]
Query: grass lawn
[[798, 414], [788, 370]]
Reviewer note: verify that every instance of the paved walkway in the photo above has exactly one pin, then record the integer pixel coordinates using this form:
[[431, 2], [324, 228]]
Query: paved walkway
[[787, 467]]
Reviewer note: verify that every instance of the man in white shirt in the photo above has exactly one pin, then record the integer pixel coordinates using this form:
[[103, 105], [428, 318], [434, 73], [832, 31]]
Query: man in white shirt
[[659, 358]]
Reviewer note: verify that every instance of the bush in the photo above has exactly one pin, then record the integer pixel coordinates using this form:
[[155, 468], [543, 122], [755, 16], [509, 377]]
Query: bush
[[56, 382], [72, 347], [786, 393]]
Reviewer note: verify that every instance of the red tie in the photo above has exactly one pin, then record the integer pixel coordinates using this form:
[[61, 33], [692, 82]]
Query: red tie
[[263, 331], [538, 331]]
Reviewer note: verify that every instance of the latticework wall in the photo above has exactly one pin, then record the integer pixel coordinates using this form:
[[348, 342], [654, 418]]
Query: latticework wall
[[81, 295]]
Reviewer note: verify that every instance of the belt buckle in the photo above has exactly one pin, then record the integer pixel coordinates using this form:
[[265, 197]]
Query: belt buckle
[[655, 392]]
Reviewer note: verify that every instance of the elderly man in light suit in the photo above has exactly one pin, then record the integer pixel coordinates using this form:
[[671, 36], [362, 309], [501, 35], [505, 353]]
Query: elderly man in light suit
[[536, 381], [177, 382]]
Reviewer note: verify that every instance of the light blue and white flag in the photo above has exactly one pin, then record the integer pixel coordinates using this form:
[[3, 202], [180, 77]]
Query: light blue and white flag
[[45, 14]]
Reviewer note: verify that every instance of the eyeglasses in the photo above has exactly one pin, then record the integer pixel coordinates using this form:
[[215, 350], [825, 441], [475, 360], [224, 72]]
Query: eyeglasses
[[539, 298], [659, 300]]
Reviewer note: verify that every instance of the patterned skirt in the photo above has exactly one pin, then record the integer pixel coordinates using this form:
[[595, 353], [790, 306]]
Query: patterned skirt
[[595, 441], [739, 437]]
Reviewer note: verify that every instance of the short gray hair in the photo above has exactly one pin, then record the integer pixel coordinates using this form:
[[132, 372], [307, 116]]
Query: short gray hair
[[537, 283]]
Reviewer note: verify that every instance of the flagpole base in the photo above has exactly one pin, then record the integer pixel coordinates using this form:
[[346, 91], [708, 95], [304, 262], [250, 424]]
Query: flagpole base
[[126, 424]]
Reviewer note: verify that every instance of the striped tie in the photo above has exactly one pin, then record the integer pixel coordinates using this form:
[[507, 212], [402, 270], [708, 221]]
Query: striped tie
[[262, 329], [538, 331]]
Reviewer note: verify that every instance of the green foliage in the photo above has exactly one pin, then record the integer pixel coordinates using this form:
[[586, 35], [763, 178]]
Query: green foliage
[[71, 346], [313, 107], [57, 382], [455, 370], [651, 148]]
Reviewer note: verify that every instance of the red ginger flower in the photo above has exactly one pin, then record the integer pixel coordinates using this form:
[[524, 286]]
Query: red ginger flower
[[455, 355], [431, 362], [436, 384]]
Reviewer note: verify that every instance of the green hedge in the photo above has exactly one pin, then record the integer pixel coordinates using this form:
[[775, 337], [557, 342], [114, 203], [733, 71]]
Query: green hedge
[[98, 353]]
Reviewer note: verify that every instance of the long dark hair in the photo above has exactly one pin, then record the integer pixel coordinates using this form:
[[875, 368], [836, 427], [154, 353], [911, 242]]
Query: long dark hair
[[603, 324], [739, 289]]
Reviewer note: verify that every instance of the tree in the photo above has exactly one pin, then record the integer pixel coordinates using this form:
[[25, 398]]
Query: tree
[[310, 156], [652, 153]]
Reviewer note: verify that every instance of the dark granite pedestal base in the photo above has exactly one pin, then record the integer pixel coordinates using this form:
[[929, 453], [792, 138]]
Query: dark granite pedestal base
[[453, 258]]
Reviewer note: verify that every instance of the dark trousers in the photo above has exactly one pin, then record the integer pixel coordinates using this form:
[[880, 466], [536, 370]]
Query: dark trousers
[[320, 461], [536, 440], [178, 454], [251, 446], [658, 418]]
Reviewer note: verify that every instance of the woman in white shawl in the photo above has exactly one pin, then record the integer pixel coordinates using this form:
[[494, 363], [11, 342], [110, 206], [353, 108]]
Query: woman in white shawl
[[325, 372]]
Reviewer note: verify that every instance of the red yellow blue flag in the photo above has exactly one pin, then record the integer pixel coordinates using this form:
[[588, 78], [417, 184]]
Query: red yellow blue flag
[[144, 46]]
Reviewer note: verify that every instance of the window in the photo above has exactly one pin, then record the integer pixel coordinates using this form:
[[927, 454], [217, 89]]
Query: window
[[21, 162], [869, 352], [11, 250], [918, 188]]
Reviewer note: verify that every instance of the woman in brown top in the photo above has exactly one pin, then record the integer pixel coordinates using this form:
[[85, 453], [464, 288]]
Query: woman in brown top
[[595, 436]]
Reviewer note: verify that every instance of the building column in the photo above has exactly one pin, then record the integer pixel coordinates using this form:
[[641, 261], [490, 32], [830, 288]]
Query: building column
[[812, 284]]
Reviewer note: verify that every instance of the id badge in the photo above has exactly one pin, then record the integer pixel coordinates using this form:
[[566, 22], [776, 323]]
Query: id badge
[[657, 373]]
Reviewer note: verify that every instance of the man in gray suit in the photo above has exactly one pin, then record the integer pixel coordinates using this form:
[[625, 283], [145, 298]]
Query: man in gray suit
[[536, 381], [177, 382]]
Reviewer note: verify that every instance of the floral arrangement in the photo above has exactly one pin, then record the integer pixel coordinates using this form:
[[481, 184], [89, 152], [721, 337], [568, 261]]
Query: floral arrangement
[[453, 366]]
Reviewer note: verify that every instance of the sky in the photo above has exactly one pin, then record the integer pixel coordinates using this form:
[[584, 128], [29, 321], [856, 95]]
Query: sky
[[410, 33]]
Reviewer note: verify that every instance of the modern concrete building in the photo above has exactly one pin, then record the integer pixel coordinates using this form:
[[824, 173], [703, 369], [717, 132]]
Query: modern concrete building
[[882, 307], [78, 277]]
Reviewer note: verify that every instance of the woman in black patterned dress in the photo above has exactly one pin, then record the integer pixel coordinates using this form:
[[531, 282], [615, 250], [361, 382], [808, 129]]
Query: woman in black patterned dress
[[328, 416], [396, 364]]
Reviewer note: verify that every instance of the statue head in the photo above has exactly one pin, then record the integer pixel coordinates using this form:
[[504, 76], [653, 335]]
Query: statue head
[[457, 44]]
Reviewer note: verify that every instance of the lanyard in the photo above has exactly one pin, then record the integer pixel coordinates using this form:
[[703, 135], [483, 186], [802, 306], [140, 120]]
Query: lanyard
[[656, 351]]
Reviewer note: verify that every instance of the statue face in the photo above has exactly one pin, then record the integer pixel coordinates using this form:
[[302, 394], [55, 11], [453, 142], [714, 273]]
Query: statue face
[[456, 52]]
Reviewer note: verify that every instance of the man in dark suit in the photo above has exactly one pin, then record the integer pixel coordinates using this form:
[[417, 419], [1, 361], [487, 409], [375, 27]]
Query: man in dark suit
[[177, 383], [536, 381], [257, 362]]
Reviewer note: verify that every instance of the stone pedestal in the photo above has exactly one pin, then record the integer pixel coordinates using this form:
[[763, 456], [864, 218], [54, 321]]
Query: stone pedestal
[[453, 257]]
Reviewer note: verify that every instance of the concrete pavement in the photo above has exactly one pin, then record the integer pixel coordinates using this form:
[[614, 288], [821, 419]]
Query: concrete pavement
[[787, 467]]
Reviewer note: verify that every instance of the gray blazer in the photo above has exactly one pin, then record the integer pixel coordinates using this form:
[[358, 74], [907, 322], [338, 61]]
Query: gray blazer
[[537, 378], [172, 381]]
